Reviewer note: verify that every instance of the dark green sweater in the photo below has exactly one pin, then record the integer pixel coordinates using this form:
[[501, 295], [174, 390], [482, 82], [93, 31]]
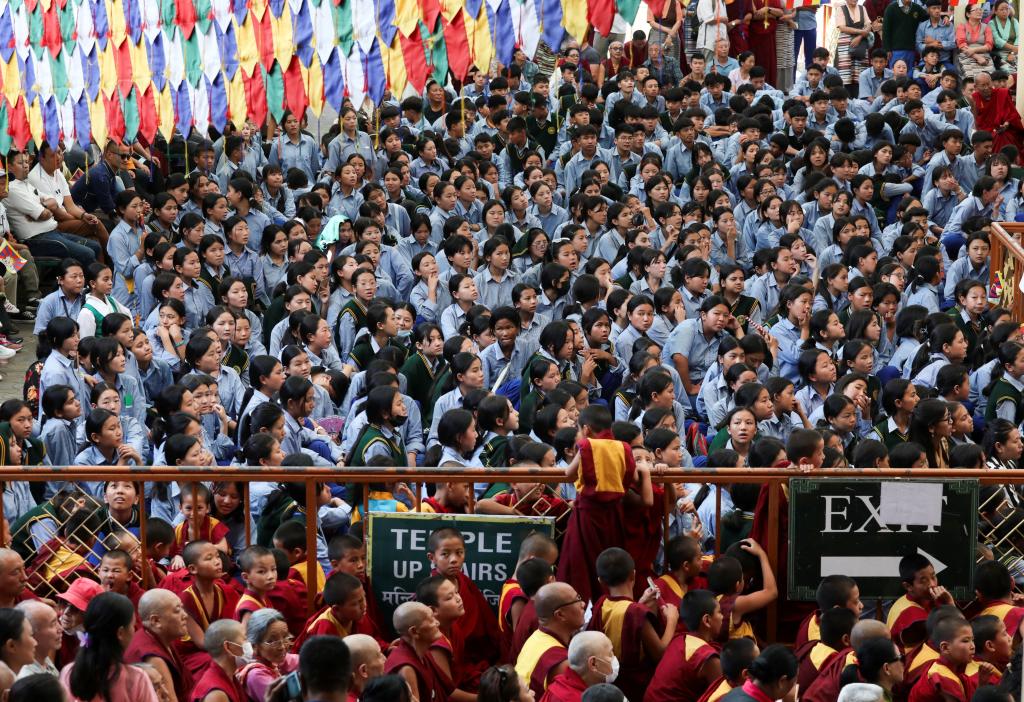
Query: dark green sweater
[[899, 28]]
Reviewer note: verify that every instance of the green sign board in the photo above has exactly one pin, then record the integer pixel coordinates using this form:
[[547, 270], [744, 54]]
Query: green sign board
[[863, 527], [397, 551]]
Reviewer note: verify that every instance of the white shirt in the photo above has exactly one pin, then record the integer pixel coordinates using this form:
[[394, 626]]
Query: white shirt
[[24, 205], [711, 33], [55, 186]]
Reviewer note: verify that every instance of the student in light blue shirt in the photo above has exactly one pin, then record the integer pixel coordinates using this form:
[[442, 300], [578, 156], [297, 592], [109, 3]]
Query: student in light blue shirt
[[926, 276], [974, 266]]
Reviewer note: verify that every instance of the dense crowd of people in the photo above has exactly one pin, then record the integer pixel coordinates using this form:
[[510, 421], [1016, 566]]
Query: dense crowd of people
[[718, 244]]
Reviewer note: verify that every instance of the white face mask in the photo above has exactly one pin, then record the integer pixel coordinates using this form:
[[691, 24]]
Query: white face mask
[[614, 674], [247, 651]]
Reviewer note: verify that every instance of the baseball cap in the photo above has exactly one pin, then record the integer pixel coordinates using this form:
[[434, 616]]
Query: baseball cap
[[81, 593]]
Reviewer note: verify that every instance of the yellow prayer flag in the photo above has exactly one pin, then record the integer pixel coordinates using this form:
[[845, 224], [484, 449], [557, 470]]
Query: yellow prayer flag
[[35, 122]]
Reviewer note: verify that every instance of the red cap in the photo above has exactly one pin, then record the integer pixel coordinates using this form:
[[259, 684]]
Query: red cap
[[81, 592]]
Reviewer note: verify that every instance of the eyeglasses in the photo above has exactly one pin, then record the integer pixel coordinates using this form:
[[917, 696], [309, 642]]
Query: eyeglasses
[[124, 157], [280, 643], [578, 600]]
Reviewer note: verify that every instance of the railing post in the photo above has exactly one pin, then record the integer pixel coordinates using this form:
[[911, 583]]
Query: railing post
[[247, 512], [772, 550], [147, 574], [312, 563]]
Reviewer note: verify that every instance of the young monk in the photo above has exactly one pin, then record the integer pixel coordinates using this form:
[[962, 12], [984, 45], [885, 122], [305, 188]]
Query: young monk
[[259, 573], [685, 561], [736, 657], [828, 683], [449, 498], [836, 625], [993, 585], [947, 679], [478, 628], [725, 578], [922, 592], [417, 629], [290, 537], [604, 471], [116, 575], [639, 631], [513, 599], [344, 610], [992, 644], [532, 576], [691, 664], [205, 601], [289, 594], [833, 591], [439, 593], [917, 660], [347, 554]]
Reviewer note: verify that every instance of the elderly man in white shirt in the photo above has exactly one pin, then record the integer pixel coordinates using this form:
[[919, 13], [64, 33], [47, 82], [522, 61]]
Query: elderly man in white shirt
[[33, 221], [47, 176]]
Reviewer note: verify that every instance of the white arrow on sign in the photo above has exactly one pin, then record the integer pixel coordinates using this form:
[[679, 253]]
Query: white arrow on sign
[[871, 566]]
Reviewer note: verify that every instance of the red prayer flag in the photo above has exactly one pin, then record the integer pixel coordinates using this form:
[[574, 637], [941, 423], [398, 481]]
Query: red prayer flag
[[601, 14], [263, 32], [123, 64], [431, 9], [185, 16], [415, 59], [18, 127], [115, 117], [255, 95], [52, 39], [295, 97], [458, 46], [148, 120]]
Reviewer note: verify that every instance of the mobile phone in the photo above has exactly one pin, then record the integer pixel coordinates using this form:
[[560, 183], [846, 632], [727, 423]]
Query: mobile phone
[[650, 583], [291, 683]]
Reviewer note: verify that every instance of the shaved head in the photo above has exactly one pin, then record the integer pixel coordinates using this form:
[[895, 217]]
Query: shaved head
[[362, 648], [551, 597], [408, 615], [153, 603], [867, 629]]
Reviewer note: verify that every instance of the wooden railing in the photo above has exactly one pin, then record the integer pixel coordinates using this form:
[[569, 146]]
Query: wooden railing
[[775, 478], [1007, 259]]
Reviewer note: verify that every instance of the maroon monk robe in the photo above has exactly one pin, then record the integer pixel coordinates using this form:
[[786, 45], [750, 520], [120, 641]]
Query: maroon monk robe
[[811, 661], [826, 687], [643, 536], [224, 602], [636, 667], [526, 625], [762, 39], [791, 614], [597, 522], [289, 598], [737, 10], [216, 679], [566, 687], [998, 110], [145, 645], [478, 627], [678, 675], [511, 593], [428, 680]]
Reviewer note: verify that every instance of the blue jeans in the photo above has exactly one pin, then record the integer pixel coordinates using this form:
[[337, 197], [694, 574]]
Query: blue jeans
[[909, 56], [809, 38], [57, 244]]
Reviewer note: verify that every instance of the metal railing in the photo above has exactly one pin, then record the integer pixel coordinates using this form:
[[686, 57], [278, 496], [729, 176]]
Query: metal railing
[[993, 513]]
